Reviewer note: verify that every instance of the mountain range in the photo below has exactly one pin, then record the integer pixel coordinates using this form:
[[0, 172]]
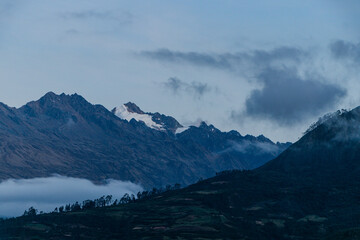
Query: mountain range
[[67, 135], [310, 191]]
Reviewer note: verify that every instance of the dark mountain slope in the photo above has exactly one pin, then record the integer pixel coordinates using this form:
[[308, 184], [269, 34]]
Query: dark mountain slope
[[69, 136], [231, 146], [311, 191], [333, 147], [65, 134]]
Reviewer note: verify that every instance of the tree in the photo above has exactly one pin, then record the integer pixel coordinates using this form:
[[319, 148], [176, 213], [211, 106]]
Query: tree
[[61, 209], [100, 202], [67, 207], [30, 212], [75, 207], [125, 199], [87, 204], [115, 203], [133, 198], [108, 200], [139, 195]]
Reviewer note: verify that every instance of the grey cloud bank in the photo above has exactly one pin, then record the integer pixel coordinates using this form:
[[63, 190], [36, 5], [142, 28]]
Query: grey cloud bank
[[227, 61], [47, 193], [341, 49], [288, 99], [285, 97], [260, 147]]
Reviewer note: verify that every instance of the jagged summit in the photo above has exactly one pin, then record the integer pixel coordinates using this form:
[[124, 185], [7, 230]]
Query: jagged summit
[[262, 138], [132, 107], [63, 107], [51, 98]]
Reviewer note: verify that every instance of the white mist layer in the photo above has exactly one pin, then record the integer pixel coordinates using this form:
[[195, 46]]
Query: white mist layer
[[44, 194]]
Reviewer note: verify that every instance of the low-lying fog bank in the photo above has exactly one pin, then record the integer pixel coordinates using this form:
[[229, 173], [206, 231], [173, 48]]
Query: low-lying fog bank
[[45, 194]]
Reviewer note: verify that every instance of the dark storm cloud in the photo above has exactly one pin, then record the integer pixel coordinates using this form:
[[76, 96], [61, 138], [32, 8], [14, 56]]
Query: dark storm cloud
[[197, 89], [281, 53], [346, 50], [287, 98], [226, 61]]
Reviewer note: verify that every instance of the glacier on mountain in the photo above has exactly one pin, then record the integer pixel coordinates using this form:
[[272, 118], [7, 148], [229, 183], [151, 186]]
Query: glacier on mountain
[[123, 113]]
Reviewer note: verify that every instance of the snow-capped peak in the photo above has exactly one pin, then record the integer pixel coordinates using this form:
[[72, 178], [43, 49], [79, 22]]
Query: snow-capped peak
[[124, 113]]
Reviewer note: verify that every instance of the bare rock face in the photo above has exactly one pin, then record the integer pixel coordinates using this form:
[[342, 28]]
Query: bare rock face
[[132, 107]]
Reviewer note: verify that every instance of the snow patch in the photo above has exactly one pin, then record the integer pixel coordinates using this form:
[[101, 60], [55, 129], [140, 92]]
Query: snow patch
[[181, 129], [123, 113], [189, 124]]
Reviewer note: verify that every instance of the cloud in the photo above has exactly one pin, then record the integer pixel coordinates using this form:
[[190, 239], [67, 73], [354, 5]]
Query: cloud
[[258, 148], [200, 59], [228, 61], [174, 84], [72, 31], [122, 17], [287, 98], [345, 50], [47, 193], [344, 124], [326, 118], [197, 89]]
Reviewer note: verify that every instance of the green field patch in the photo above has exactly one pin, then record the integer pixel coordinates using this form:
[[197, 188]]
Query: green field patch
[[280, 223], [219, 183], [207, 192], [254, 208], [312, 218], [192, 229], [37, 227]]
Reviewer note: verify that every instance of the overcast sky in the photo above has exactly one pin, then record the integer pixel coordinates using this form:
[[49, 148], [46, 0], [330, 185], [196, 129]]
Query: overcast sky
[[260, 67]]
